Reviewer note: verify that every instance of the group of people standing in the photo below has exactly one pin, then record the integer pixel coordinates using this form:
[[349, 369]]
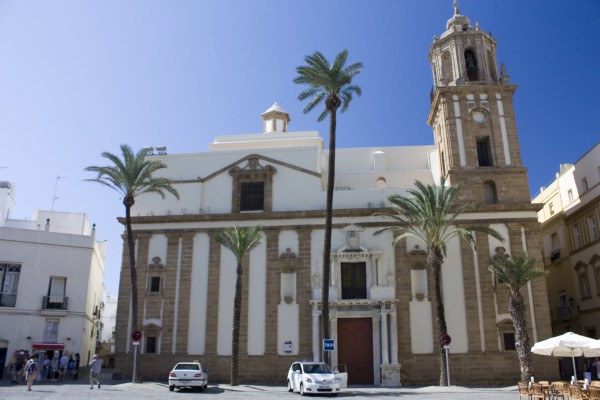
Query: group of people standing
[[31, 368]]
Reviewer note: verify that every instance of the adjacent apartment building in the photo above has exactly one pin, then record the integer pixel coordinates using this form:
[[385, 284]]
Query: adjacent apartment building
[[51, 276], [571, 245], [381, 312]]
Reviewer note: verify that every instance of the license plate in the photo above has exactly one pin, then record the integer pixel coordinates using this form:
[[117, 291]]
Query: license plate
[[184, 380], [324, 387]]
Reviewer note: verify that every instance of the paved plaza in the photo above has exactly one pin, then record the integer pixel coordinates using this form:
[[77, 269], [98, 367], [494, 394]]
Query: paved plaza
[[116, 390]]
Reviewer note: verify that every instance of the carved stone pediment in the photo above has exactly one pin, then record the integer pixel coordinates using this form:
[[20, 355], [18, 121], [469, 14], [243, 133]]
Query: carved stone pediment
[[152, 326], [156, 264], [288, 262], [252, 167], [418, 251], [352, 238]]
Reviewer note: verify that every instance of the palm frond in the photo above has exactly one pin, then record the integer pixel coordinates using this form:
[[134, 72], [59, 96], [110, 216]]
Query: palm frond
[[323, 79], [427, 213], [240, 241], [131, 174], [516, 271]]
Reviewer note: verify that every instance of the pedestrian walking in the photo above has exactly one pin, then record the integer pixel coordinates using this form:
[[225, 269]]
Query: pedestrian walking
[[31, 370], [95, 367]]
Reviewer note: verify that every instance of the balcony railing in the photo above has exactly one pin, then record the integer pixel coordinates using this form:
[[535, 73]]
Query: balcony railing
[[50, 336], [563, 312], [55, 303], [8, 299]]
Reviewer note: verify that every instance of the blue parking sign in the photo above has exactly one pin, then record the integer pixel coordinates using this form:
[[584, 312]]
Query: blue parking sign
[[328, 344]]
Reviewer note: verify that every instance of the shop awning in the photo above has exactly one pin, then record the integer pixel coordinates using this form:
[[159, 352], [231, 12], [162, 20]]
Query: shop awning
[[48, 346]]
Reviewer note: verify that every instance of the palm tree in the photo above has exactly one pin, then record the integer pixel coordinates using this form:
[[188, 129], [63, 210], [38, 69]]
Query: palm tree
[[332, 83], [515, 272], [240, 241], [430, 214], [131, 176]]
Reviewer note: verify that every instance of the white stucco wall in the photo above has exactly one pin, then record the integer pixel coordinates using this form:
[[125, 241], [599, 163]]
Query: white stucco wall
[[454, 297], [292, 189], [227, 278], [257, 292], [199, 295]]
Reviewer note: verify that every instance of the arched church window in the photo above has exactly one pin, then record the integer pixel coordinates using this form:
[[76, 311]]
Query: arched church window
[[489, 193], [491, 66], [471, 65]]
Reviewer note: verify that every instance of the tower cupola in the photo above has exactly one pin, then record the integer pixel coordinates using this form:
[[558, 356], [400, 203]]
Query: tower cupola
[[275, 119], [463, 55]]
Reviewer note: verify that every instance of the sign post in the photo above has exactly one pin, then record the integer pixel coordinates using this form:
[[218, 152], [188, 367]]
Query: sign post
[[328, 344], [136, 336], [445, 340]]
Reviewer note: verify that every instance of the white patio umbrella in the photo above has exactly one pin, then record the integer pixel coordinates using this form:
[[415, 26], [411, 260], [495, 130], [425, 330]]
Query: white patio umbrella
[[568, 345]]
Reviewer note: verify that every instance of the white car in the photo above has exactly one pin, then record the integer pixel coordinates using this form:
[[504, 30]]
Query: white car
[[189, 375], [314, 378]]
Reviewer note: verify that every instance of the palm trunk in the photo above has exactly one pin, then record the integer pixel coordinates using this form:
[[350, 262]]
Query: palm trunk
[[435, 259], [133, 275], [235, 333], [328, 227], [516, 307]]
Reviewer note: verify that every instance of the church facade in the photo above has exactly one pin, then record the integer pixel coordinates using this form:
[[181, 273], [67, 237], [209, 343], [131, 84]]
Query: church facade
[[381, 312]]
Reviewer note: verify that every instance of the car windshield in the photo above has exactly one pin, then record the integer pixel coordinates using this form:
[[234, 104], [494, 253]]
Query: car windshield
[[317, 369], [187, 366]]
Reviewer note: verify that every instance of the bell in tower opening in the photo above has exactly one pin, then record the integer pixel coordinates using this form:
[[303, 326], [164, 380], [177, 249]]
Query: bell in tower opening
[[471, 66]]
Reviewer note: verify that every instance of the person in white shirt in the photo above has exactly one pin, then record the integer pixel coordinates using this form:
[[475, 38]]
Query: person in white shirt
[[95, 367], [31, 370]]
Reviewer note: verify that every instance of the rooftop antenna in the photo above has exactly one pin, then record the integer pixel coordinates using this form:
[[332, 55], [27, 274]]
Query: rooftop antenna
[[54, 198]]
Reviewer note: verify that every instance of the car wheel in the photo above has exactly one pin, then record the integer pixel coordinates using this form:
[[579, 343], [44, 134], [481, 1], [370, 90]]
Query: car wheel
[[171, 388], [302, 389], [290, 388], [201, 389]]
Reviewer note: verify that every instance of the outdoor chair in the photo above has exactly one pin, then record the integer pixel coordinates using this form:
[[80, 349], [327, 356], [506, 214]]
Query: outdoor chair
[[594, 392], [560, 390], [523, 390], [538, 392], [574, 393]]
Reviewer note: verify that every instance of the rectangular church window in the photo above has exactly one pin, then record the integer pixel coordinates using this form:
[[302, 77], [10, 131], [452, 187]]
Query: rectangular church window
[[252, 196], [484, 155], [354, 280]]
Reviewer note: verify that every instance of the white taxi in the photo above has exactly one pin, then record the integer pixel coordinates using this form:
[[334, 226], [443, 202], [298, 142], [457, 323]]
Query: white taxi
[[311, 377], [188, 375]]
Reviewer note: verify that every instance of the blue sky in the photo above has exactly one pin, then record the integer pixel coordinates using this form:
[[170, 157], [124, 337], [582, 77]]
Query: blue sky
[[78, 77]]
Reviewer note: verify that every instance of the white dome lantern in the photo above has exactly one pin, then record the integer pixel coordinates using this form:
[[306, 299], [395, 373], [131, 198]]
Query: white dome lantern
[[276, 119]]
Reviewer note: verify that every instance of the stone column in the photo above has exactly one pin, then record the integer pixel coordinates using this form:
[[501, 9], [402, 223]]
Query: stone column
[[384, 338], [390, 372], [394, 336], [334, 335], [315, 334]]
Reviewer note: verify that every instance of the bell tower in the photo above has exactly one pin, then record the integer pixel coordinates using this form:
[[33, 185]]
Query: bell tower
[[472, 117]]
